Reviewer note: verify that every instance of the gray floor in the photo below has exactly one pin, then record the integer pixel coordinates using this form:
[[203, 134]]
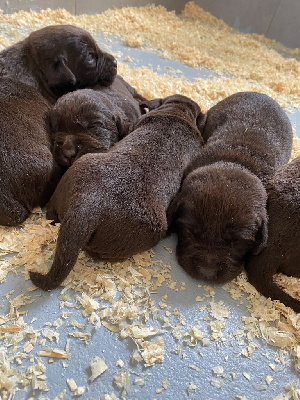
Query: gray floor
[[178, 370]]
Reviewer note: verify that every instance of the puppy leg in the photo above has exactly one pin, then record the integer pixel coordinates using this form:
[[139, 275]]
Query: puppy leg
[[51, 214], [261, 277], [12, 212], [75, 232], [52, 182]]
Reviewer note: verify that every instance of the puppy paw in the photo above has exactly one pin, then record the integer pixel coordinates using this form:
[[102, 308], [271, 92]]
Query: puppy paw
[[42, 281]]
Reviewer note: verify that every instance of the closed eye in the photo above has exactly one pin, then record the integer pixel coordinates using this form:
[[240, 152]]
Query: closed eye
[[91, 58]]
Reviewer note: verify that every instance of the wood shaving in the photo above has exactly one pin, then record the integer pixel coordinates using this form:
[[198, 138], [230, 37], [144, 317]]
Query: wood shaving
[[79, 391], [139, 381], [216, 382], [120, 363], [191, 387], [123, 382], [98, 366], [247, 376], [55, 353], [218, 371], [71, 384], [153, 352]]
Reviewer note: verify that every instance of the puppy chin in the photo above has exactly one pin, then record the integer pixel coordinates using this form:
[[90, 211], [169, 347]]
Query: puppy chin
[[60, 90], [63, 161], [106, 80], [219, 270]]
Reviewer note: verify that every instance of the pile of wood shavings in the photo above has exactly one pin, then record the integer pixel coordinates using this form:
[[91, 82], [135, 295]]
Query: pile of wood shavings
[[119, 297], [195, 38]]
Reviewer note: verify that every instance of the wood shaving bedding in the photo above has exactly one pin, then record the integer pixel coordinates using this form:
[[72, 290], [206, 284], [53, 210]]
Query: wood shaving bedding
[[118, 297]]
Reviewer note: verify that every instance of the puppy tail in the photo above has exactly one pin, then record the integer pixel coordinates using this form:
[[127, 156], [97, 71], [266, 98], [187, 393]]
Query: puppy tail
[[74, 233], [263, 283]]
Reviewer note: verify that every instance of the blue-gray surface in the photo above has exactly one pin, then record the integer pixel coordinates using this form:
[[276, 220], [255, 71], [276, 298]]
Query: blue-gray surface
[[178, 370]]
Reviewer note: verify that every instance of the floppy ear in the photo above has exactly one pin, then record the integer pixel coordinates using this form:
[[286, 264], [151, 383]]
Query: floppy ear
[[150, 105], [52, 65], [261, 237], [201, 121], [173, 209], [124, 127]]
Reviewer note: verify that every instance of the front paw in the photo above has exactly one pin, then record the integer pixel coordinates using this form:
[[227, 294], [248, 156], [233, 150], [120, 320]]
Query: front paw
[[42, 281]]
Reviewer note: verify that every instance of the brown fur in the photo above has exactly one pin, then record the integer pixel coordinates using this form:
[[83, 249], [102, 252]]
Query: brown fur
[[92, 121], [114, 204], [26, 162], [282, 253], [58, 59], [33, 73], [220, 214]]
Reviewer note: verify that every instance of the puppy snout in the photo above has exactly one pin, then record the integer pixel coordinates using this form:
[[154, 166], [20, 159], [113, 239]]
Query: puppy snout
[[69, 152], [209, 272], [69, 149], [107, 69], [71, 81]]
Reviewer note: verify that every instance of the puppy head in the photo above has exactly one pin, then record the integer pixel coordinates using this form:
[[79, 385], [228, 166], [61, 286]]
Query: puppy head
[[67, 57], [220, 217], [79, 126], [187, 108]]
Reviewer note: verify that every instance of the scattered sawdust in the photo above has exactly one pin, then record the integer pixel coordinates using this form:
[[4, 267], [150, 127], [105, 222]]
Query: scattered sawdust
[[98, 366], [118, 296]]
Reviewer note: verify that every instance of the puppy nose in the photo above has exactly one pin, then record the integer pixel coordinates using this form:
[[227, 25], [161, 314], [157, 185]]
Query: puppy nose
[[208, 272], [71, 81], [70, 153], [115, 63], [68, 148]]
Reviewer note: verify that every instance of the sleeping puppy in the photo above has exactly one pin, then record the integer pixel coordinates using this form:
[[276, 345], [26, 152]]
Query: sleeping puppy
[[33, 74], [282, 253], [114, 204], [58, 59], [92, 121], [27, 174], [220, 213]]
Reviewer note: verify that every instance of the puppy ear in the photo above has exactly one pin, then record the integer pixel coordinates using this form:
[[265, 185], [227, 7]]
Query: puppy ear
[[173, 209], [150, 105], [261, 237], [124, 127], [201, 121]]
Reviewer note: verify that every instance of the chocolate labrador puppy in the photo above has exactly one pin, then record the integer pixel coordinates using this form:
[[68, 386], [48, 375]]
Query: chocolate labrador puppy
[[114, 204], [27, 174], [33, 74], [58, 59], [220, 213], [92, 121], [282, 253]]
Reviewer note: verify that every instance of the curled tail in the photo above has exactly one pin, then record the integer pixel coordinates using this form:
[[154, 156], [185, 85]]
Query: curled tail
[[262, 280], [75, 231]]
